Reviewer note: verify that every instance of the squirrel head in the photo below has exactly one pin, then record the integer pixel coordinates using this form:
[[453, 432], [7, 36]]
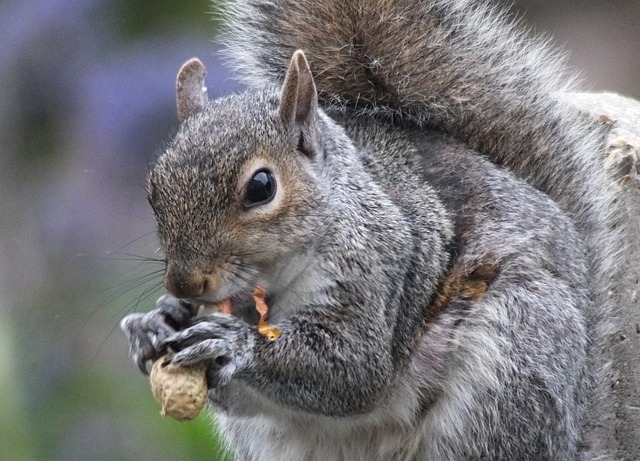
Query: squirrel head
[[238, 191]]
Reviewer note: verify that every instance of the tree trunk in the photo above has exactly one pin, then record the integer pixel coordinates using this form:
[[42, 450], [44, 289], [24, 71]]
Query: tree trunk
[[619, 429]]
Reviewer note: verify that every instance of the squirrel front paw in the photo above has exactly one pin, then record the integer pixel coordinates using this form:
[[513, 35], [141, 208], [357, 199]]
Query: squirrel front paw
[[147, 332], [223, 340]]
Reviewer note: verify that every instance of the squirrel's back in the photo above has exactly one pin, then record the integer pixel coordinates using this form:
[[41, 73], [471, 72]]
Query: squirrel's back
[[463, 67]]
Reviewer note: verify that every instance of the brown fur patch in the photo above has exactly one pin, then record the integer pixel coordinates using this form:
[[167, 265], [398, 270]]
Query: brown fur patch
[[469, 282]]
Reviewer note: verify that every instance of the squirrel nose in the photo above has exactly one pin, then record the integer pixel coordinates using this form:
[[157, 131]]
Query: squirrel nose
[[184, 284]]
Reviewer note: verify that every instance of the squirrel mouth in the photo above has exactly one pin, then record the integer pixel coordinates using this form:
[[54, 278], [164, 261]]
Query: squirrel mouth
[[258, 313]]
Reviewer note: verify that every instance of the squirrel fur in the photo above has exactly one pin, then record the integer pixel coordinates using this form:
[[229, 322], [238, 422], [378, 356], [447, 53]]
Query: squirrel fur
[[432, 225]]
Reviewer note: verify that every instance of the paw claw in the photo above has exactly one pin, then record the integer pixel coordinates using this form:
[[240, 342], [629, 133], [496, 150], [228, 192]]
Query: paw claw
[[147, 333]]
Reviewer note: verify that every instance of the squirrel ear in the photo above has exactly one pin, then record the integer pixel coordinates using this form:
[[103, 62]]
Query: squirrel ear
[[299, 98], [191, 94]]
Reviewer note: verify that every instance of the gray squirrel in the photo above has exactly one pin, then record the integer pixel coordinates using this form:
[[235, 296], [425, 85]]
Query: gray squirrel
[[431, 224]]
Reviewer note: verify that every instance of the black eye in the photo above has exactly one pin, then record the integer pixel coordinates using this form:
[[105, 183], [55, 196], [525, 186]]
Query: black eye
[[260, 189]]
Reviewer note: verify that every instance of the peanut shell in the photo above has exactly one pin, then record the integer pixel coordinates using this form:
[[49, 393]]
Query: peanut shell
[[181, 391]]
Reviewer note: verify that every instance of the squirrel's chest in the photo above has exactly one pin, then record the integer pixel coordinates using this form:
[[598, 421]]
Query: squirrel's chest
[[260, 438], [256, 429]]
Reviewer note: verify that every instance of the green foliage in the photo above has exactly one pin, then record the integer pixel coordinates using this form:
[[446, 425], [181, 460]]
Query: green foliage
[[89, 401], [142, 17], [15, 429]]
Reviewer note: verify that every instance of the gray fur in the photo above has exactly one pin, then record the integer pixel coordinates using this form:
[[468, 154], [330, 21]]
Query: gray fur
[[432, 305]]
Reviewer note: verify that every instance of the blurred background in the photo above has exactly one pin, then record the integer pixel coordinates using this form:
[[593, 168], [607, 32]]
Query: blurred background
[[86, 102]]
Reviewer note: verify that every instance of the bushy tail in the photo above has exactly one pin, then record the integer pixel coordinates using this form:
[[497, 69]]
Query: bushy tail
[[459, 65]]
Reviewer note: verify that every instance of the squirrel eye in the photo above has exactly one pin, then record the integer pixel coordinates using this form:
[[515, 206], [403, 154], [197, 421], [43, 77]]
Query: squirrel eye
[[260, 189]]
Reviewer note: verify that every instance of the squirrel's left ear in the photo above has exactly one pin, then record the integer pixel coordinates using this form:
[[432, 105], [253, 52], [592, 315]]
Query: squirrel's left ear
[[299, 101], [191, 93]]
